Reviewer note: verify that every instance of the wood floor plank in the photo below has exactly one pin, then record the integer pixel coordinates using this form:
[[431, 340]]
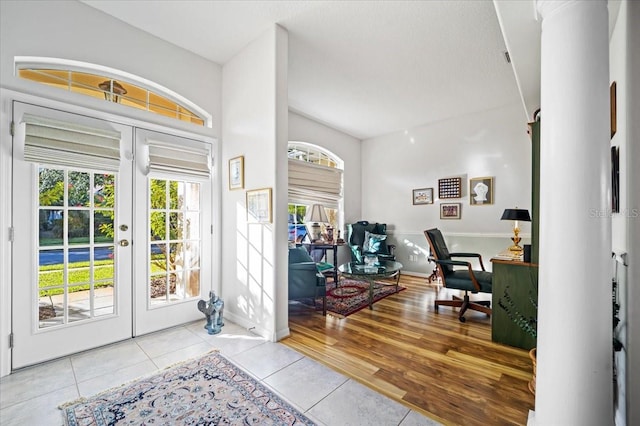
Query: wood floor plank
[[426, 360]]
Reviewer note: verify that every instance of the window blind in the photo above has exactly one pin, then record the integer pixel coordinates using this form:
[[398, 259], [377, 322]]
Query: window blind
[[184, 160], [314, 184], [61, 143]]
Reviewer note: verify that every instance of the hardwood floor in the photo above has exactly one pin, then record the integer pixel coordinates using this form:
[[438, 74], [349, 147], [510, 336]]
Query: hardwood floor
[[426, 360]]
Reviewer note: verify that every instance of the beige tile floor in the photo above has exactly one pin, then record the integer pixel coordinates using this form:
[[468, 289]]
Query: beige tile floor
[[31, 396]]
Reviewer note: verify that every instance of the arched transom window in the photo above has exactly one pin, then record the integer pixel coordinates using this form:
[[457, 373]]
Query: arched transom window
[[111, 85]]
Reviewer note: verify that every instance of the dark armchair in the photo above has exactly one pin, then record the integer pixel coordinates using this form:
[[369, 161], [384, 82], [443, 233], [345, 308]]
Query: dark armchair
[[468, 279], [365, 237], [305, 282]]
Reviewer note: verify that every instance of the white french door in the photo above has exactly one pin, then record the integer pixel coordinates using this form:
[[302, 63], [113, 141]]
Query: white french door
[[103, 252], [173, 213], [71, 279]]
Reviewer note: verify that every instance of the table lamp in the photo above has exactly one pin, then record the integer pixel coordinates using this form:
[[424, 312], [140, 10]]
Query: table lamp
[[315, 216], [516, 215]]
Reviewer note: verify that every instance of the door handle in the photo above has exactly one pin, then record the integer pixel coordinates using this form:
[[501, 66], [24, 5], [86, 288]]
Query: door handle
[[123, 243]]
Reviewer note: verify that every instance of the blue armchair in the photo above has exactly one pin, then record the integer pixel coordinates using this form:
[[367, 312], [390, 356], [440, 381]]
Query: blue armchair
[[369, 238], [305, 281]]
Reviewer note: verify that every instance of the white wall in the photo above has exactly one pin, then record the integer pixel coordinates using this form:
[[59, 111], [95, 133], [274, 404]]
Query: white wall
[[489, 143], [254, 256], [73, 30]]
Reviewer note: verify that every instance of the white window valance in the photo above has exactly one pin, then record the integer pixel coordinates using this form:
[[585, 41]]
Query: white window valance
[[314, 184], [61, 143], [183, 160]]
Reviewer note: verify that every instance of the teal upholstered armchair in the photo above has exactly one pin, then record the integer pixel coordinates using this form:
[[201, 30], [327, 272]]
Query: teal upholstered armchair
[[467, 279], [305, 281], [368, 238]]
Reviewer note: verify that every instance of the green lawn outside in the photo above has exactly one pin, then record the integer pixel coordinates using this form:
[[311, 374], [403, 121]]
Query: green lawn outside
[[51, 276]]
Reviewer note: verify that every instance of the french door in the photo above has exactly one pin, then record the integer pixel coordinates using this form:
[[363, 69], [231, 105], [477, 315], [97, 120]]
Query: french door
[[104, 248], [173, 232]]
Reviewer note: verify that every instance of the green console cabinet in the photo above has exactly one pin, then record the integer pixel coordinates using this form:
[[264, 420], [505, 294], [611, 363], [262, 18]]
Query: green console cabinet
[[520, 281]]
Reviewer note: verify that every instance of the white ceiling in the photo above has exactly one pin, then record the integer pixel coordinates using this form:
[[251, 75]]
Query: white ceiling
[[367, 68]]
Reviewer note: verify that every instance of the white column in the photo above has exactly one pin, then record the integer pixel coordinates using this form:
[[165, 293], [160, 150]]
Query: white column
[[633, 213], [574, 371]]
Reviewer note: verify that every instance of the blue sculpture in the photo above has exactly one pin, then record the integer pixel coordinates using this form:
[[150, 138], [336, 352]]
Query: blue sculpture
[[212, 310]]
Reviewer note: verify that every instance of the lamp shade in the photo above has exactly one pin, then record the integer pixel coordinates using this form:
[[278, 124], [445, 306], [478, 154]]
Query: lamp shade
[[317, 214], [516, 214]]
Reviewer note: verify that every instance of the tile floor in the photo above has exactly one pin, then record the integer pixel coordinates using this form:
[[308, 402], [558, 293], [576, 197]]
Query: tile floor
[[31, 396]]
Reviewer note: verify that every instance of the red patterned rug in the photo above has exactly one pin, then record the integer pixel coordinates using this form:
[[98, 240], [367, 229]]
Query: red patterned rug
[[352, 296]]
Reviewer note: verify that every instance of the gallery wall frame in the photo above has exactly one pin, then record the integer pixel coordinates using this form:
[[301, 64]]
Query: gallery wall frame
[[422, 196], [450, 187], [259, 205], [236, 173], [481, 191], [450, 210]]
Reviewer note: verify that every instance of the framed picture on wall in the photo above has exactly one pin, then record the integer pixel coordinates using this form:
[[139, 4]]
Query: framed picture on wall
[[423, 196], [259, 205], [481, 191], [450, 210], [236, 173], [450, 187]]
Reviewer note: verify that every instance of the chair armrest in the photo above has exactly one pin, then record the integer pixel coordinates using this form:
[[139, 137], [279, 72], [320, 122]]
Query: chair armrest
[[464, 254], [472, 277], [469, 255], [303, 266], [453, 262]]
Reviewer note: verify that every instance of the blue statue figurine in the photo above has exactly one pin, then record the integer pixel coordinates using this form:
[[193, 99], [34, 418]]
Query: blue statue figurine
[[212, 310]]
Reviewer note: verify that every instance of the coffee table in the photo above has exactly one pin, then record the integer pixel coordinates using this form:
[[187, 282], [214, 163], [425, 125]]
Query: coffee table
[[382, 269]]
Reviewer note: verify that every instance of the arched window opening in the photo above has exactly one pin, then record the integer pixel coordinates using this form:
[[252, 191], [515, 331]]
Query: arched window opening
[[111, 85], [315, 177]]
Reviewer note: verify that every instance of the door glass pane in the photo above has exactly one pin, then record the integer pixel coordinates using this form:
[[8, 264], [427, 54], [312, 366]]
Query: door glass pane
[[78, 227], [76, 279], [103, 188], [78, 188], [51, 189], [175, 239], [104, 276], [103, 226]]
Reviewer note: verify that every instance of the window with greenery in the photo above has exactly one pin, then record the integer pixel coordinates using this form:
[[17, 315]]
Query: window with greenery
[[75, 245], [174, 240]]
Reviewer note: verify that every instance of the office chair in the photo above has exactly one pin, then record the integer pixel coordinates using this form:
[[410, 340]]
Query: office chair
[[469, 280]]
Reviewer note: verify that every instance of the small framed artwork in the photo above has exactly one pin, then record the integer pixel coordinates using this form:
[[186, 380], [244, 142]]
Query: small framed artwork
[[612, 98], [423, 196], [259, 205], [481, 191], [450, 187], [236, 173], [615, 179], [450, 210]]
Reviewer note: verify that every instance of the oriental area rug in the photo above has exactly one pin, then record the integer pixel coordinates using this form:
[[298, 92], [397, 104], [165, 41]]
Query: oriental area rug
[[206, 391], [351, 296]]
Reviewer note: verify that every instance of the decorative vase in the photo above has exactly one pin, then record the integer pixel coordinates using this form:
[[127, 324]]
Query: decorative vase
[[532, 383]]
